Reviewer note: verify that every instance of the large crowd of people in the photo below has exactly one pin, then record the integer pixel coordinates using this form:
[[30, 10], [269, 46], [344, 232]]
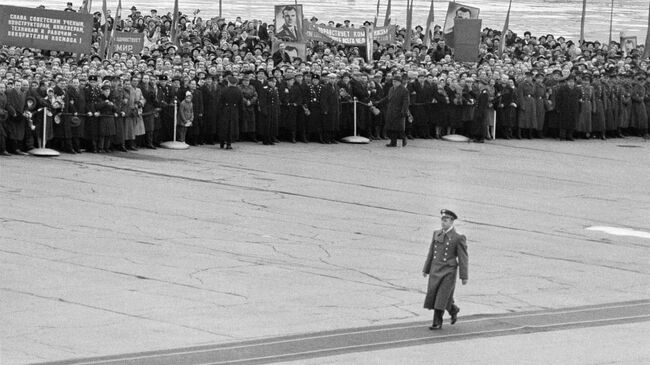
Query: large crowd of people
[[227, 81]]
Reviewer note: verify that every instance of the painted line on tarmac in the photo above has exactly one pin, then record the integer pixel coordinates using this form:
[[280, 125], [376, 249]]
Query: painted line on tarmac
[[159, 356], [366, 347]]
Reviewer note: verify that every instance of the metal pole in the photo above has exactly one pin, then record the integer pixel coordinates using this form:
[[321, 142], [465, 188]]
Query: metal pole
[[220, 4], [175, 117], [494, 126], [582, 22], [611, 21], [44, 127], [355, 117]]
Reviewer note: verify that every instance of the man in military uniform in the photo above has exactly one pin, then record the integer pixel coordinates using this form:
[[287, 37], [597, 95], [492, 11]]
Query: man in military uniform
[[269, 103], [539, 94], [527, 116], [639, 115], [447, 257], [165, 99], [315, 118], [92, 95]]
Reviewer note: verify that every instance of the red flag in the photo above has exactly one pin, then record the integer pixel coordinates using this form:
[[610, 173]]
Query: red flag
[[376, 14], [175, 22], [430, 18], [102, 48], [388, 15], [116, 21], [582, 21], [611, 21], [646, 51], [85, 7], [502, 46], [409, 24]]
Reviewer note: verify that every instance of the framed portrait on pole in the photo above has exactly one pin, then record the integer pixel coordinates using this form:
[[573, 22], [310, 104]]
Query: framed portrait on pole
[[288, 23]]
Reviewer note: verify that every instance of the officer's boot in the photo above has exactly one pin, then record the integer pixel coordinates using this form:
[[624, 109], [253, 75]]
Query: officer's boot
[[437, 319]]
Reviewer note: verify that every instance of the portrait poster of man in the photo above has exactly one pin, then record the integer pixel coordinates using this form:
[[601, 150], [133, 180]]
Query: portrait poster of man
[[628, 44], [288, 51], [288, 23], [457, 11]]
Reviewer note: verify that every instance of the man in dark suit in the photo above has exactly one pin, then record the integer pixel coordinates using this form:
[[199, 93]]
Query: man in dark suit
[[568, 108], [290, 30], [396, 110], [230, 107], [330, 105], [447, 256]]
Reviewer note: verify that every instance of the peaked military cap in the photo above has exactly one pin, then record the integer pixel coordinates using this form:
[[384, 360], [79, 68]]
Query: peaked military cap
[[448, 213]]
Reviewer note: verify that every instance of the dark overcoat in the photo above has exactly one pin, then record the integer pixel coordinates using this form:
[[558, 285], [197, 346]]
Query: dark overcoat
[[330, 105], [527, 116], [568, 106], [230, 105], [447, 256], [210, 108], [397, 108]]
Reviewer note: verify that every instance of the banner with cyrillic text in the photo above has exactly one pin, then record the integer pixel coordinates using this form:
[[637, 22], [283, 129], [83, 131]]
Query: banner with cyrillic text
[[127, 42], [45, 29], [347, 36]]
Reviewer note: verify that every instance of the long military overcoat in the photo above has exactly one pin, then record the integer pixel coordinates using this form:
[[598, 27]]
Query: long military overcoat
[[447, 256]]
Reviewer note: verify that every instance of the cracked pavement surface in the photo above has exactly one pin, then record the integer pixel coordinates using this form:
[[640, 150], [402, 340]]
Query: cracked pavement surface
[[107, 254]]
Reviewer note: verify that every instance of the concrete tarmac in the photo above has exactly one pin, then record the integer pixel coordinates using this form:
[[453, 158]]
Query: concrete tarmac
[[107, 254]]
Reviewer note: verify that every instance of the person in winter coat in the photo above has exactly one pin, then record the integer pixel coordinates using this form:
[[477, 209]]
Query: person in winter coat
[[397, 110], [250, 104], [568, 108], [185, 116], [269, 103], [330, 104], [230, 105], [107, 111], [447, 258]]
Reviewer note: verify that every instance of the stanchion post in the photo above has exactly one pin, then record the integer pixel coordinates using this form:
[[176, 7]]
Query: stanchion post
[[42, 151], [175, 145], [355, 138], [175, 117], [494, 126], [44, 127], [355, 116]]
